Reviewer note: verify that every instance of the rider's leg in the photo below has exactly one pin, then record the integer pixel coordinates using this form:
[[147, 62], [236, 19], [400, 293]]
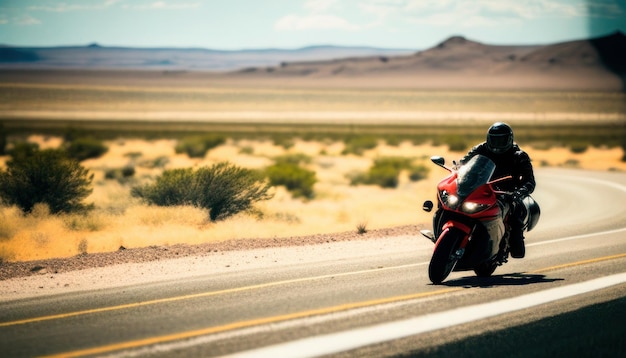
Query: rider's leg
[[516, 241]]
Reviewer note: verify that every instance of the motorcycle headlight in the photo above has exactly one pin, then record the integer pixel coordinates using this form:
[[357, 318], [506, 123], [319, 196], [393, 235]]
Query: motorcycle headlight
[[449, 199], [471, 207]]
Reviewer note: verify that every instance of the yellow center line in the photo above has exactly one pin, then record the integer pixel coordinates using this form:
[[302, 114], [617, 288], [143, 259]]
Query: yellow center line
[[579, 263], [250, 323], [197, 295]]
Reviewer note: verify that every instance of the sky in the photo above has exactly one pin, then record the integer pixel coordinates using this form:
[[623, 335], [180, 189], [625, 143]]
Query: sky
[[287, 24]]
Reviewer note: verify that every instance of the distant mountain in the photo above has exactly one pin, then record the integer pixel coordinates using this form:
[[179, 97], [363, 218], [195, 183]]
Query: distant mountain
[[598, 63], [460, 54], [95, 56]]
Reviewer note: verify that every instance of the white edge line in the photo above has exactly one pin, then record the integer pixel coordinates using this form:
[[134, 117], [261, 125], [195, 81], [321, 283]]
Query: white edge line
[[583, 236], [614, 185], [353, 339], [429, 322]]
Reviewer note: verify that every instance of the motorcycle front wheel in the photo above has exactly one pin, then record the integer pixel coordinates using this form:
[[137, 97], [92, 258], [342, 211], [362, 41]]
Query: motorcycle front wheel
[[486, 269], [444, 257]]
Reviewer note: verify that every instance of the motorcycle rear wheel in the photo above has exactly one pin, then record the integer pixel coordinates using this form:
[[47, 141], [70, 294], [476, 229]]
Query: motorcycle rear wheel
[[444, 260]]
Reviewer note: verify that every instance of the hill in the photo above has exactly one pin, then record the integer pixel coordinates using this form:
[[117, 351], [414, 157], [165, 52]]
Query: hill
[[457, 62]]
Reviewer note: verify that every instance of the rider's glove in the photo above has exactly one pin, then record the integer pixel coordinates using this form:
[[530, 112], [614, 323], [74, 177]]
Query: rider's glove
[[520, 194]]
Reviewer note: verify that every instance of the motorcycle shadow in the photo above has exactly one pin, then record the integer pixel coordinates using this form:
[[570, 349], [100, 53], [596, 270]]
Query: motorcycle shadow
[[510, 279]]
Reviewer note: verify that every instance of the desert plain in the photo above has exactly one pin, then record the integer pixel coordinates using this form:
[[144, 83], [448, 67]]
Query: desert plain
[[141, 116]]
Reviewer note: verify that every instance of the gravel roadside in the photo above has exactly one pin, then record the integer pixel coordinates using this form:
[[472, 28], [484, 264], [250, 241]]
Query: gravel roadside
[[150, 264]]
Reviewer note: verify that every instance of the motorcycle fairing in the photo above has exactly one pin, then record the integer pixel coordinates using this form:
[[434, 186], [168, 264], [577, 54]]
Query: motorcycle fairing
[[484, 228]]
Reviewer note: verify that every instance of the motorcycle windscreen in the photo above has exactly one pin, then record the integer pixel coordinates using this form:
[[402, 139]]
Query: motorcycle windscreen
[[475, 173]]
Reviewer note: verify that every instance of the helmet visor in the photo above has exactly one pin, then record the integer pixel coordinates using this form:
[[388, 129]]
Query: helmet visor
[[499, 143]]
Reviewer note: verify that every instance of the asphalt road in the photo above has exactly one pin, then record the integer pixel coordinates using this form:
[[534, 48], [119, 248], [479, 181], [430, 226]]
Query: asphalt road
[[566, 298]]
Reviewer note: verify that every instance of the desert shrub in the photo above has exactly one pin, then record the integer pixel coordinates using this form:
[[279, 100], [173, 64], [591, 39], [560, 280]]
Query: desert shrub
[[110, 174], [72, 133], [9, 221], [121, 174], [361, 227], [386, 176], [3, 139], [128, 171], [386, 171], [299, 181], [40, 211], [543, 145], [393, 141], [22, 150], [578, 148], [85, 148], [46, 176], [198, 146], [159, 162], [88, 222], [456, 143], [394, 162], [285, 141], [82, 246], [248, 150], [223, 189], [295, 159], [418, 172], [133, 155], [358, 144], [621, 142]]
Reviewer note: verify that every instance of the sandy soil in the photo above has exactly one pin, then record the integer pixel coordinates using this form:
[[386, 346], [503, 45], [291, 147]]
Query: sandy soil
[[325, 117], [400, 76]]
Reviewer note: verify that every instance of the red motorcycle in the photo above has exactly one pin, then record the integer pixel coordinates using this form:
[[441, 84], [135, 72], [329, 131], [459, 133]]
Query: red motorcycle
[[470, 224]]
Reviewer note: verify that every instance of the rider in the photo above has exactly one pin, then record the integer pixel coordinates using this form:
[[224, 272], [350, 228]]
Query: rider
[[513, 161]]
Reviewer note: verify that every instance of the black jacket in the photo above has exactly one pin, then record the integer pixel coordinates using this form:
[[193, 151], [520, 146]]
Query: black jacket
[[514, 162]]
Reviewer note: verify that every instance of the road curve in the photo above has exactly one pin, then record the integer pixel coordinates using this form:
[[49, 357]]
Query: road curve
[[348, 300]]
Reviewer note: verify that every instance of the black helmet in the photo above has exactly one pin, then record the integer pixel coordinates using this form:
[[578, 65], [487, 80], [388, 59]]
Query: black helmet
[[499, 138]]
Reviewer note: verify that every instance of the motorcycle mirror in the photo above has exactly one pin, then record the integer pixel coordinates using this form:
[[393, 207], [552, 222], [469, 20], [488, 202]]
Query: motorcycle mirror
[[428, 206], [440, 161]]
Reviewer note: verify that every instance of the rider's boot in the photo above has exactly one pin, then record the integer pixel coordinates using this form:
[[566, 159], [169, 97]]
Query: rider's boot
[[516, 244], [516, 240]]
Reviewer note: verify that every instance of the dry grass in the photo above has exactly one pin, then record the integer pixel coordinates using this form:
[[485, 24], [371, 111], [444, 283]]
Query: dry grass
[[120, 220]]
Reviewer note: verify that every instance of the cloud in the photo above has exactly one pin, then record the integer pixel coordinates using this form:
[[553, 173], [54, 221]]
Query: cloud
[[314, 22], [475, 12], [25, 20], [65, 7], [318, 6], [320, 16], [105, 4], [12, 16], [164, 5], [606, 9]]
